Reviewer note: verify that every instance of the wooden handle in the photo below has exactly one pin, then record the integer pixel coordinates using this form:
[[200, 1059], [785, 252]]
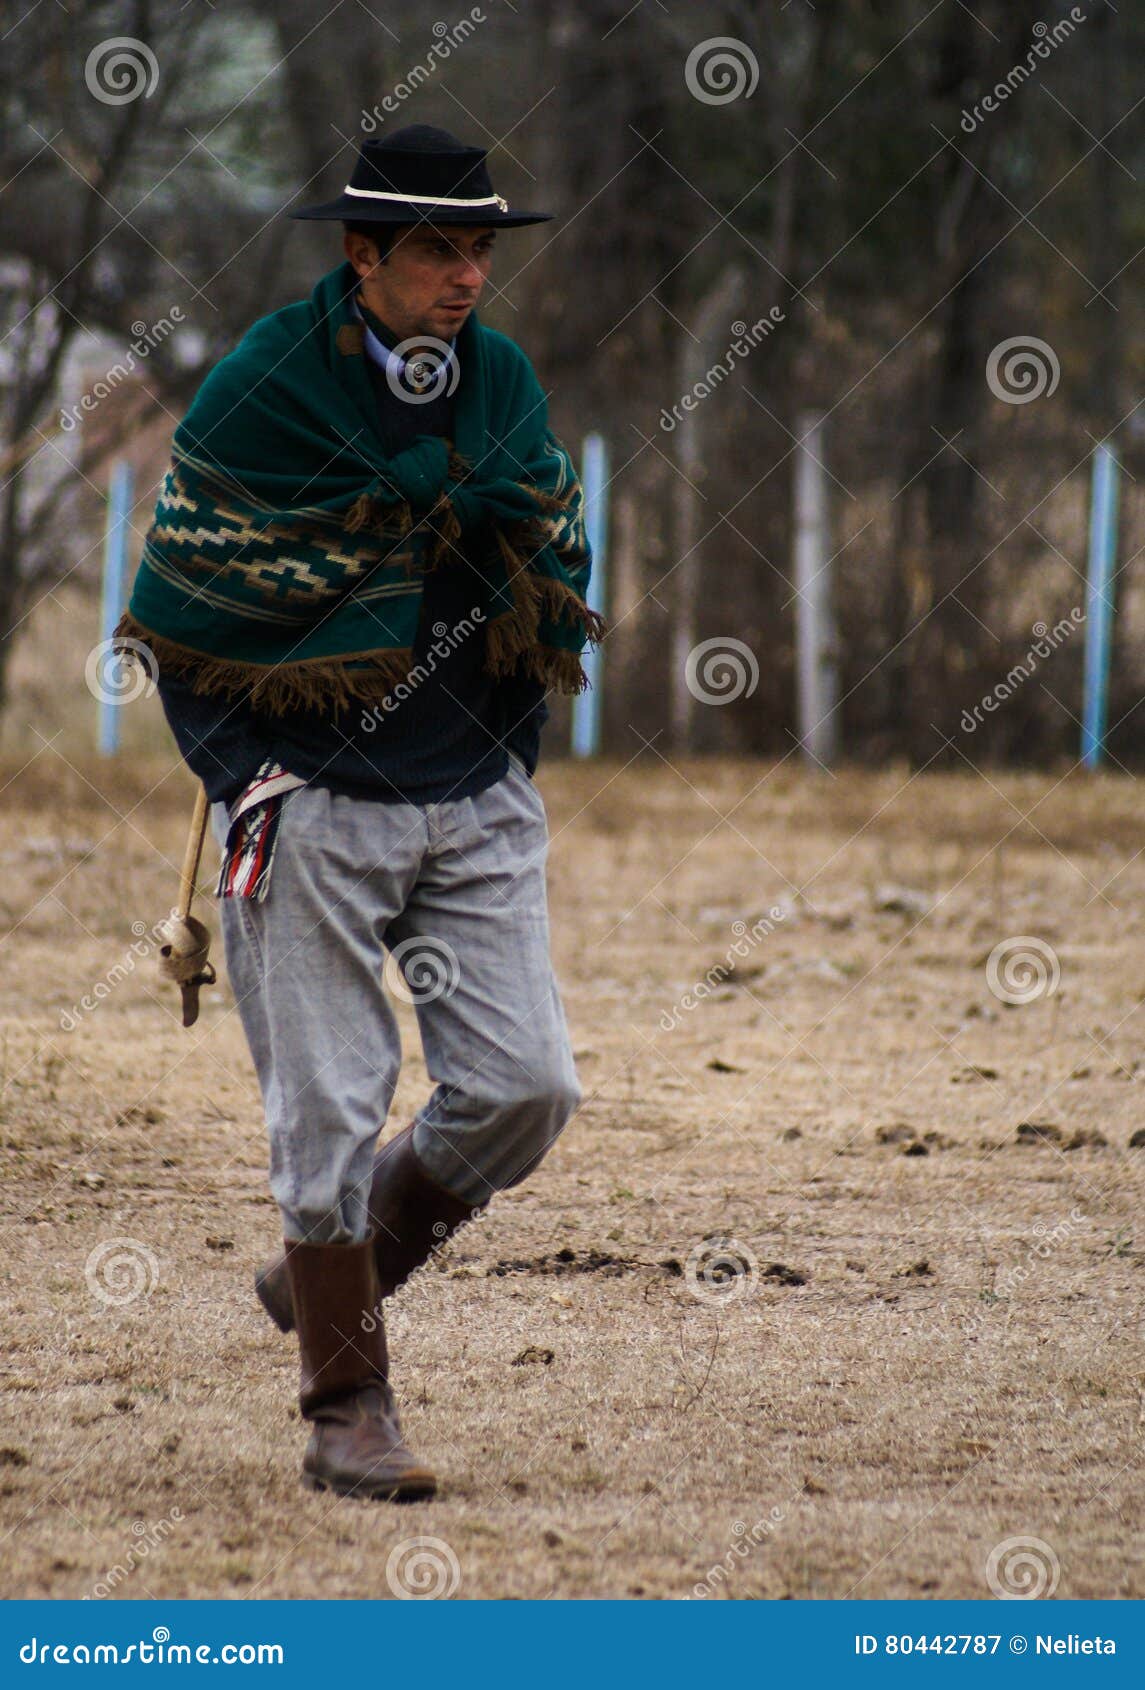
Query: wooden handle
[[192, 855]]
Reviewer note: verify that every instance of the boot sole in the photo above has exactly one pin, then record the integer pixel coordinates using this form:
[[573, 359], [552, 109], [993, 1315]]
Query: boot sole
[[410, 1489]]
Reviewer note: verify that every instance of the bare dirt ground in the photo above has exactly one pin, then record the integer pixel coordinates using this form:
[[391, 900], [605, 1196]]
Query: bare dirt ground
[[833, 1286]]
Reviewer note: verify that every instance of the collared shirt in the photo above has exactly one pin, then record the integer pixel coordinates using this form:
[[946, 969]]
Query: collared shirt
[[383, 355]]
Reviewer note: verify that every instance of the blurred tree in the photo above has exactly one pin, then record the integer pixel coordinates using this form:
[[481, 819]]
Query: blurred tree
[[842, 180]]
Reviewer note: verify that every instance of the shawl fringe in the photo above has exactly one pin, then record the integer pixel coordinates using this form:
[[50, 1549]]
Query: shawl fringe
[[317, 683], [324, 683], [512, 640]]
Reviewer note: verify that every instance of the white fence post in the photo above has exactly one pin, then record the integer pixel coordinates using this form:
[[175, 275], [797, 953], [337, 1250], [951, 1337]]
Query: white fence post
[[587, 705], [816, 650]]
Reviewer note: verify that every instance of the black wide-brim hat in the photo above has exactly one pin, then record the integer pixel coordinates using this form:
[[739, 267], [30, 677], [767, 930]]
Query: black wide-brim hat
[[421, 175]]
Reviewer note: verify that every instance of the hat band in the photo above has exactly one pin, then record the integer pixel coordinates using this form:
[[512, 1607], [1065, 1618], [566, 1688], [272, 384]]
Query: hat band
[[425, 199]]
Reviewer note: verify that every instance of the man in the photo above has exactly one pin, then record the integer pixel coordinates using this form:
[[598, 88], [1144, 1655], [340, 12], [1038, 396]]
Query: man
[[368, 564]]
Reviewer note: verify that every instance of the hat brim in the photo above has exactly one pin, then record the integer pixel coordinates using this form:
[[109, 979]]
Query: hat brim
[[349, 210]]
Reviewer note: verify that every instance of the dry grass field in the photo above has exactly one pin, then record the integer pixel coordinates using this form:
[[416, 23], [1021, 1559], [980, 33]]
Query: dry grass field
[[833, 1286]]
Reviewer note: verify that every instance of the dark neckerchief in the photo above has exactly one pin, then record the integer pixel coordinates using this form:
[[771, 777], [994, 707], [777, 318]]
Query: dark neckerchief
[[374, 323]]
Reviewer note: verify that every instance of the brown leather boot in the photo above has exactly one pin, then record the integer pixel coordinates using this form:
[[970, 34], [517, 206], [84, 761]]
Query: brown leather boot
[[356, 1447], [410, 1215]]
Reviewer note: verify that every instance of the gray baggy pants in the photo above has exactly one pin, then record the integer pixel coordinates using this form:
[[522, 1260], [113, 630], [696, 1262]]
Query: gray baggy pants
[[455, 892]]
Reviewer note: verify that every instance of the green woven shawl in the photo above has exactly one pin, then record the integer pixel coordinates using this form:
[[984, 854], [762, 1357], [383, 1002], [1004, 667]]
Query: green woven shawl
[[287, 551]]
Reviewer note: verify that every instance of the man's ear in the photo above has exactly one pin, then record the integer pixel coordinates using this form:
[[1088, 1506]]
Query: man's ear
[[352, 235]]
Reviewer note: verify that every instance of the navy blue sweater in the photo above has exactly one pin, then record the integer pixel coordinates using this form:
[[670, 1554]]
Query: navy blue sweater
[[448, 737]]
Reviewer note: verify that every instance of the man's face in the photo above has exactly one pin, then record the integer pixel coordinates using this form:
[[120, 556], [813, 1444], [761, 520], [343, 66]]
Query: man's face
[[431, 280]]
